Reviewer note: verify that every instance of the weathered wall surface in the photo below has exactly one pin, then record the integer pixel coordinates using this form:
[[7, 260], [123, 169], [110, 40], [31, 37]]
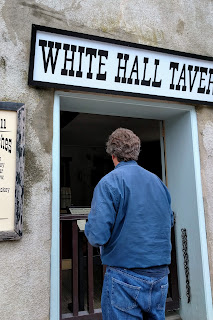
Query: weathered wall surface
[[179, 25], [205, 129]]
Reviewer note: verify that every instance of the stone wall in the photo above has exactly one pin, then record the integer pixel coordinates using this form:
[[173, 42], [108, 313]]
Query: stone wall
[[178, 25], [205, 129]]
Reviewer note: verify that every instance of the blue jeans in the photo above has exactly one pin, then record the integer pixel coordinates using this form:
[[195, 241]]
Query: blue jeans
[[127, 295]]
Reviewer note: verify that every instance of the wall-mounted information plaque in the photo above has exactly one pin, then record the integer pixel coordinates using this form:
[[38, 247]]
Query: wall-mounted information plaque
[[12, 122]]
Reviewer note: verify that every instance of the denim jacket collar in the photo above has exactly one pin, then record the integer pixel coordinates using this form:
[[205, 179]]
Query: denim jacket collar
[[126, 163]]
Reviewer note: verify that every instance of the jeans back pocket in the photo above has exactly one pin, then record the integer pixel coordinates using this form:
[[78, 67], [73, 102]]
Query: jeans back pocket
[[124, 296], [163, 296]]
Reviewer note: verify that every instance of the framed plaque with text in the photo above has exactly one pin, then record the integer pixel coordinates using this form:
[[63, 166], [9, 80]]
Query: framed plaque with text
[[12, 143]]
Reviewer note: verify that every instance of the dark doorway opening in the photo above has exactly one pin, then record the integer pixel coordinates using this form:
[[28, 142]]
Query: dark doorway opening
[[83, 157], [84, 162]]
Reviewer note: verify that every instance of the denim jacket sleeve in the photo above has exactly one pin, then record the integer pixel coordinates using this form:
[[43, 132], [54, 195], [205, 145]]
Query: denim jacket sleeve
[[102, 215], [172, 213], [169, 203]]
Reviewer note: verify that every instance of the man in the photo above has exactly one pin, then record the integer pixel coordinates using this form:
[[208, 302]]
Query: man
[[131, 219]]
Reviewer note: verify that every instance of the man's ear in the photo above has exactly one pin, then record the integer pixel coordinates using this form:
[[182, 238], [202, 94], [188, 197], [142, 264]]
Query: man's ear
[[115, 160]]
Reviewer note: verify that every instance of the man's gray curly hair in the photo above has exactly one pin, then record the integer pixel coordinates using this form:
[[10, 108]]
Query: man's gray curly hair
[[123, 144]]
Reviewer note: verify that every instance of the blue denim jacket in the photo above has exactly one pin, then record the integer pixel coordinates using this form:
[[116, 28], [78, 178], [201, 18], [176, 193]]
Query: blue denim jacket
[[131, 218]]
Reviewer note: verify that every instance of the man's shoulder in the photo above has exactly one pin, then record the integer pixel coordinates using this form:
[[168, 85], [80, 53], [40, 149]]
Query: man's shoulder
[[110, 176], [112, 179], [108, 184], [120, 173]]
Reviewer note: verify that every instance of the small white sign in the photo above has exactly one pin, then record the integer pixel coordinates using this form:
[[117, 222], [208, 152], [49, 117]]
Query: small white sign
[[81, 224], [8, 130], [12, 145], [79, 210], [63, 59]]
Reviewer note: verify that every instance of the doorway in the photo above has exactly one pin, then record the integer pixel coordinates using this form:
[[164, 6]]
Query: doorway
[[83, 163], [184, 182]]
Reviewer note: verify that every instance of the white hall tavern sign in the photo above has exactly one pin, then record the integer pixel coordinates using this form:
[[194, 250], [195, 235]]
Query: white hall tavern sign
[[67, 60]]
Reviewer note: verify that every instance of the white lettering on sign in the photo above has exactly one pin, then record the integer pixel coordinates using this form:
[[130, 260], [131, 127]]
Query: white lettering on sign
[[66, 60]]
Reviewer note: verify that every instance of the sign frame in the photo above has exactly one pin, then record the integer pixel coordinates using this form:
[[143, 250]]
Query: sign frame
[[61, 86], [19, 108]]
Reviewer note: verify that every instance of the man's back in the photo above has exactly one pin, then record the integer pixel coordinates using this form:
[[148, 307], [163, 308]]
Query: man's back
[[131, 220], [134, 209]]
